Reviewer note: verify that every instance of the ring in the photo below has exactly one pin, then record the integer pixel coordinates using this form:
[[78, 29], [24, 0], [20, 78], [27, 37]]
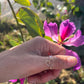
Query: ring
[[49, 62], [50, 56]]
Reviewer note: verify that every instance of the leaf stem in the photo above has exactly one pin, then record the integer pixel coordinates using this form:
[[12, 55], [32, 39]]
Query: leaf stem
[[16, 19]]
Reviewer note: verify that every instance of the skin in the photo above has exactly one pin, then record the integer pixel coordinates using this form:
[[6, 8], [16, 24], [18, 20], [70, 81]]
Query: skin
[[31, 59]]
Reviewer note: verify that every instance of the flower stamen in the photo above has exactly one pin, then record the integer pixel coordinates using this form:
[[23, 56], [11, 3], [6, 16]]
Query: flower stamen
[[59, 40]]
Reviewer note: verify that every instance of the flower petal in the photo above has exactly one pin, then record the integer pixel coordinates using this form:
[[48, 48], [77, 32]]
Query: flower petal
[[72, 53], [51, 30], [66, 29], [13, 80], [77, 40], [22, 80], [46, 29]]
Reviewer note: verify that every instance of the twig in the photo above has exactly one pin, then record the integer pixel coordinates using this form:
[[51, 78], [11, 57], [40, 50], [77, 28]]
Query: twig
[[16, 19]]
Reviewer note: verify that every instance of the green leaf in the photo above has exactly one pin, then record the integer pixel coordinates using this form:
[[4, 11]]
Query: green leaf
[[35, 2], [19, 20], [13, 43], [32, 21], [23, 2], [77, 9], [47, 83], [68, 7], [1, 43], [50, 5], [72, 7], [67, 1], [42, 4], [58, 15], [73, 1], [46, 37]]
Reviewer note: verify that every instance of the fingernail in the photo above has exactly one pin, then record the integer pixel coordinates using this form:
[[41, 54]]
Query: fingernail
[[72, 61]]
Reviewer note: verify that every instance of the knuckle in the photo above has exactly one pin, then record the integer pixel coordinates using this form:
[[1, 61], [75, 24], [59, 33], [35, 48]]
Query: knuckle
[[63, 51], [38, 37]]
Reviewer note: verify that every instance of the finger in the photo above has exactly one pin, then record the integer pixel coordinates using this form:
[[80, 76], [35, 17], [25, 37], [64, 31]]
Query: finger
[[55, 62], [44, 76], [60, 62], [53, 48], [45, 46]]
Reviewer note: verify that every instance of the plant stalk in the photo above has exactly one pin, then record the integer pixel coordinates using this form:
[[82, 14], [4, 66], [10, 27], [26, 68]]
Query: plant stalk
[[16, 19]]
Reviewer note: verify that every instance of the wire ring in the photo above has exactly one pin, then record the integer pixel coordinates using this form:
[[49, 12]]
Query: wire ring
[[49, 62]]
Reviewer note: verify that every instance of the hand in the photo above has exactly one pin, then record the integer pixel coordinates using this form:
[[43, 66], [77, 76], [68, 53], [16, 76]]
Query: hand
[[31, 59]]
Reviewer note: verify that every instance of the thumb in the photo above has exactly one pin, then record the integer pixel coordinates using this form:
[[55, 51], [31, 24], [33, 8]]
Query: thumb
[[60, 62]]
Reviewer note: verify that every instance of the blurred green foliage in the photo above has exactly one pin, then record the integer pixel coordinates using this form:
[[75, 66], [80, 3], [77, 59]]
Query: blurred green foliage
[[73, 8], [45, 6], [23, 2], [10, 35]]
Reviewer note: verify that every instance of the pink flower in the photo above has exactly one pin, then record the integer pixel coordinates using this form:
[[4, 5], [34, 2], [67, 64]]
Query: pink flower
[[15, 80], [72, 53], [65, 36]]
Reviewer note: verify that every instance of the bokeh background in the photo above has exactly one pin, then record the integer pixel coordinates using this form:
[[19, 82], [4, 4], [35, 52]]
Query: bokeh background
[[13, 33]]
